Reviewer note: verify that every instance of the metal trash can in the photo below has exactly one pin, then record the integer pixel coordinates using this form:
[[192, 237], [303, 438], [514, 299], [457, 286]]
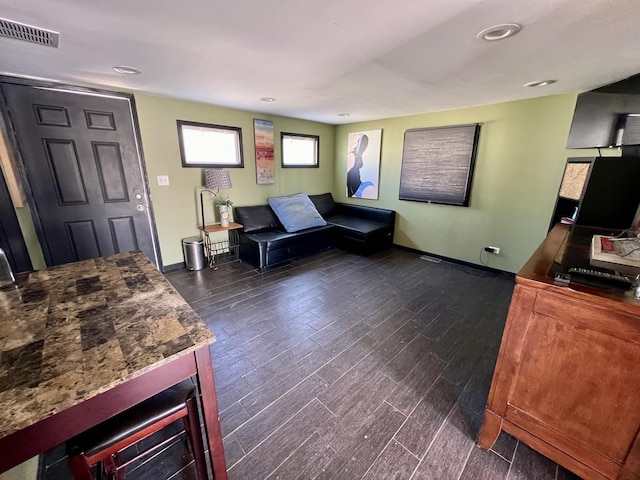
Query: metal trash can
[[193, 250]]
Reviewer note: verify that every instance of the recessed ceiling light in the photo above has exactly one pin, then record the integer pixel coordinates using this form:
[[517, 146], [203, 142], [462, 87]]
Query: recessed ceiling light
[[344, 114], [268, 99], [499, 32], [540, 83], [126, 70]]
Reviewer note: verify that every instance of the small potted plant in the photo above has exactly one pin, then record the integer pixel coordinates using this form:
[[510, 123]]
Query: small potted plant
[[224, 204]]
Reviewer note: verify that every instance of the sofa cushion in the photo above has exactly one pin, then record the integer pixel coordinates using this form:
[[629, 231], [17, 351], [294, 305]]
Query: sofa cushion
[[296, 212], [269, 237], [324, 204], [277, 239], [257, 218], [358, 227], [268, 248]]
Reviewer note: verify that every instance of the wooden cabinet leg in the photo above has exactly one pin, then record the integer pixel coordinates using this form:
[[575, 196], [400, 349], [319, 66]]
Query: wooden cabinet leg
[[490, 430]]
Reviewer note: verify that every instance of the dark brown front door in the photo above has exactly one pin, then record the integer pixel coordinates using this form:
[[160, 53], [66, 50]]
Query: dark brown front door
[[84, 169]]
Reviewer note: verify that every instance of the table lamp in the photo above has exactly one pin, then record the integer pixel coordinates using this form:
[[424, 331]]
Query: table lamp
[[216, 178]]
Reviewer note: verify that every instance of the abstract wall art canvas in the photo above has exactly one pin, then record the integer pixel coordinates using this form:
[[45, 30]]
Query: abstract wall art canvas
[[363, 164], [265, 158], [437, 164]]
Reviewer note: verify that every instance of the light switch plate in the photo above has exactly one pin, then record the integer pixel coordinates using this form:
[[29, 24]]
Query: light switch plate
[[163, 180]]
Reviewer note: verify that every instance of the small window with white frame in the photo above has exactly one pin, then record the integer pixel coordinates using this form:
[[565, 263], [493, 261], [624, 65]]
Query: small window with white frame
[[300, 151]]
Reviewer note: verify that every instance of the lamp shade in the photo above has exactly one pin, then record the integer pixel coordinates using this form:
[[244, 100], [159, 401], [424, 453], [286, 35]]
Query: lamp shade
[[217, 178]]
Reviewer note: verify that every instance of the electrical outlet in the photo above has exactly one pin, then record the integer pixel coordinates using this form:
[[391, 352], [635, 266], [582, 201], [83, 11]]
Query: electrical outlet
[[494, 250], [163, 180]]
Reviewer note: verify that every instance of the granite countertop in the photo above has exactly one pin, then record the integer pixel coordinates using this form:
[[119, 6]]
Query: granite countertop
[[71, 332]]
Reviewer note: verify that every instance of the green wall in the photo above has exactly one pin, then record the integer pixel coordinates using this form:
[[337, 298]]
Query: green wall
[[519, 164], [176, 207]]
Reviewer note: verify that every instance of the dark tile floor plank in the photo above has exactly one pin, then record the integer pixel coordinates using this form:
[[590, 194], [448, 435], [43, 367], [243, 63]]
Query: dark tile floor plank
[[427, 315], [450, 450], [233, 452], [505, 446], [329, 333], [353, 460], [389, 348], [337, 366], [268, 420], [419, 379], [320, 318], [465, 362], [363, 395], [485, 466], [391, 323], [307, 461], [474, 397], [348, 338], [378, 309], [394, 463], [399, 366], [280, 363], [260, 354], [528, 463], [268, 456], [296, 374], [243, 329], [295, 308], [423, 298], [424, 422], [232, 418], [452, 341], [440, 325], [232, 393]]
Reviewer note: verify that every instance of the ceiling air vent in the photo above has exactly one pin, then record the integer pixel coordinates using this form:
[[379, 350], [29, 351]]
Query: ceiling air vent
[[21, 31]]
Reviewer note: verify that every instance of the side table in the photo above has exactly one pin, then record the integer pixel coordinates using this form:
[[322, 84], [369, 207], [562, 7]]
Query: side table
[[224, 251]]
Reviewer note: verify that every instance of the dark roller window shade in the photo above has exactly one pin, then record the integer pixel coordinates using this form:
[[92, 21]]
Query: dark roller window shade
[[437, 164]]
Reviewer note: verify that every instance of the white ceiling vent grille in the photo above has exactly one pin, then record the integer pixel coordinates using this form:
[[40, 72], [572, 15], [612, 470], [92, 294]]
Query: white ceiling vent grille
[[21, 31]]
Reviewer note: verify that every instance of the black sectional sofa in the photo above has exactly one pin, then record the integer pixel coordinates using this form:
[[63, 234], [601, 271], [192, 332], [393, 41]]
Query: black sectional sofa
[[264, 242]]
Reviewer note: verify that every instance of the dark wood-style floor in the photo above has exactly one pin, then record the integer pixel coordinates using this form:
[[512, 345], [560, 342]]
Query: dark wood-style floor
[[346, 367]]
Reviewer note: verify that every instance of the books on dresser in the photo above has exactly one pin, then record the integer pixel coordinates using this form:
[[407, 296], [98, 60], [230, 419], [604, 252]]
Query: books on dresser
[[620, 254]]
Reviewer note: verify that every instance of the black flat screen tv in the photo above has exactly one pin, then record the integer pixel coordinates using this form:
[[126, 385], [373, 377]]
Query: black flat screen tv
[[608, 116]]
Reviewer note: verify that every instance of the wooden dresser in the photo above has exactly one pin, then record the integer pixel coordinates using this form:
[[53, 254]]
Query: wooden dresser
[[567, 379]]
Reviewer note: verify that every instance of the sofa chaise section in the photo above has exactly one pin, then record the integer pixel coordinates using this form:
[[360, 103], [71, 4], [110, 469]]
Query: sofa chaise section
[[361, 229]]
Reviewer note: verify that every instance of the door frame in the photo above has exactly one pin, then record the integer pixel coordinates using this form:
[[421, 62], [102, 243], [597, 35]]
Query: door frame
[[11, 238], [13, 144]]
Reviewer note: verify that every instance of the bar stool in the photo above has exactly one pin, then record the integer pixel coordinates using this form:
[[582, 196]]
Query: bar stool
[[102, 443]]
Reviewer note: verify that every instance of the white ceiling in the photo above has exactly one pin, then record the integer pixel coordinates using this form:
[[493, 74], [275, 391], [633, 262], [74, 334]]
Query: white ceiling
[[370, 58]]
